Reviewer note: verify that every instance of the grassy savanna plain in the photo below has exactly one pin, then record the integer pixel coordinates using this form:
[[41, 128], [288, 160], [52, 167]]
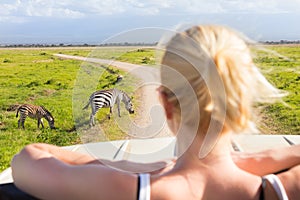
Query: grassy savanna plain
[[36, 76], [281, 66]]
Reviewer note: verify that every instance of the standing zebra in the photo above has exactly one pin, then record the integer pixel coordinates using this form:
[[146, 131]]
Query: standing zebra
[[107, 98], [34, 112]]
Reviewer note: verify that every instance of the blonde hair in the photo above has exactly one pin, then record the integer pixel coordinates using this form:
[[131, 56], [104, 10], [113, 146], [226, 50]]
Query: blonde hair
[[216, 63]]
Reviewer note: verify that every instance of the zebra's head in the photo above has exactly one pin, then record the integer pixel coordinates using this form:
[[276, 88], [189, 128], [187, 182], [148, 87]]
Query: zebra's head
[[128, 104], [49, 118], [51, 122]]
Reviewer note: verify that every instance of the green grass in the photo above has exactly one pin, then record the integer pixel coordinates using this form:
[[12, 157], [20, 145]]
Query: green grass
[[35, 76], [135, 55], [138, 56], [281, 66]]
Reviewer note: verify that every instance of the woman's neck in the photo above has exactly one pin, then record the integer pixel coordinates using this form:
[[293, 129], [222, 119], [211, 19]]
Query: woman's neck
[[188, 151]]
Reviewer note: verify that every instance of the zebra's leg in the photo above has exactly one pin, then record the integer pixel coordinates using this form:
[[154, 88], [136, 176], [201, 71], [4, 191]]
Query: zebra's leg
[[118, 105], [21, 122], [92, 117], [110, 112], [92, 120], [40, 122]]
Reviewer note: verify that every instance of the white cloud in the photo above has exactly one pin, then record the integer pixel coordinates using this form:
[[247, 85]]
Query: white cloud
[[38, 8], [235, 6], [6, 9], [51, 8], [101, 7], [78, 9], [262, 6]]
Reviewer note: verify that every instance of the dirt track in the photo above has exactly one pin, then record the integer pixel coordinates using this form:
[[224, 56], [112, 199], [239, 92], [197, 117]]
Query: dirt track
[[150, 121]]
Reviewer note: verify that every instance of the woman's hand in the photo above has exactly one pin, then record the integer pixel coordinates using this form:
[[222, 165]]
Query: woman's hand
[[268, 161], [158, 167]]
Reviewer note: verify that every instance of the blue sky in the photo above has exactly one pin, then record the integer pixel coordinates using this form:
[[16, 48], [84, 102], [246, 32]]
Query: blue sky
[[94, 21]]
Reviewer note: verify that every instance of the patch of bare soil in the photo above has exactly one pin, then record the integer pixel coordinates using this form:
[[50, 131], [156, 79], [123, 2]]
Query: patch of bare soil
[[43, 61], [48, 92], [264, 123], [149, 121]]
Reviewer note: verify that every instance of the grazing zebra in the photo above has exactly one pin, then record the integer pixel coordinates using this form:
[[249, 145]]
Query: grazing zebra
[[107, 98], [34, 112]]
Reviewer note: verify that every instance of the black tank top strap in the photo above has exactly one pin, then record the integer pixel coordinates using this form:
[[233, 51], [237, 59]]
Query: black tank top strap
[[262, 189]]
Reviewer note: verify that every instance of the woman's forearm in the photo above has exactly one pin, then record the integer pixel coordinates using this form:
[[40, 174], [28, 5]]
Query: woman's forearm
[[75, 158], [268, 161], [158, 167], [40, 151]]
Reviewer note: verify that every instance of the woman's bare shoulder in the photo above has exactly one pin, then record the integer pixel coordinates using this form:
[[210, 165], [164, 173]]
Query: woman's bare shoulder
[[174, 186], [290, 181]]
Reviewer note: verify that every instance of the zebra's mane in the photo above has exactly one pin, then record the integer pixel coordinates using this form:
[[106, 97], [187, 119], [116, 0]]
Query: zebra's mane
[[126, 96], [47, 111], [102, 91]]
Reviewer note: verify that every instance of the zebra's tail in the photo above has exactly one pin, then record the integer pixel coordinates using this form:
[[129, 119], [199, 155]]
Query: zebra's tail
[[87, 105]]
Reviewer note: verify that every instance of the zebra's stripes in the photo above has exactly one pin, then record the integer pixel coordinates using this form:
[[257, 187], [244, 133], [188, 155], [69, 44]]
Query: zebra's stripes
[[108, 98], [34, 112]]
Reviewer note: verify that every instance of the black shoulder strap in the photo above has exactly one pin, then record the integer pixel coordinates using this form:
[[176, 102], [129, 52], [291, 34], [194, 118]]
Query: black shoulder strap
[[138, 187], [9, 191]]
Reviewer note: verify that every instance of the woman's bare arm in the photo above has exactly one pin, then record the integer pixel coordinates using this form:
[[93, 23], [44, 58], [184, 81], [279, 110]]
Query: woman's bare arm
[[41, 173], [290, 181], [76, 158], [268, 161], [73, 158]]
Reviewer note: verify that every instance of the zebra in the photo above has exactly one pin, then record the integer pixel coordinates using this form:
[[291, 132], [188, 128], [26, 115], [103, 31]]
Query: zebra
[[34, 112], [107, 98]]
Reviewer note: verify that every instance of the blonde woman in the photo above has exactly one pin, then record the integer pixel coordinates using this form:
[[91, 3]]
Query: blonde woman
[[209, 83]]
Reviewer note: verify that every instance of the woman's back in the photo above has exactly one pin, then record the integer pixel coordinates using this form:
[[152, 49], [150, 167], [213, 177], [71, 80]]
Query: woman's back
[[206, 179]]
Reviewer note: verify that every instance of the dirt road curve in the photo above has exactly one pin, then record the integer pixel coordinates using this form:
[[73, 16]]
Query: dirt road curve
[[150, 121]]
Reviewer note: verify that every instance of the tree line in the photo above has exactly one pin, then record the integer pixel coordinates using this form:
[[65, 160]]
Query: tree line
[[77, 45], [122, 44], [282, 42]]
